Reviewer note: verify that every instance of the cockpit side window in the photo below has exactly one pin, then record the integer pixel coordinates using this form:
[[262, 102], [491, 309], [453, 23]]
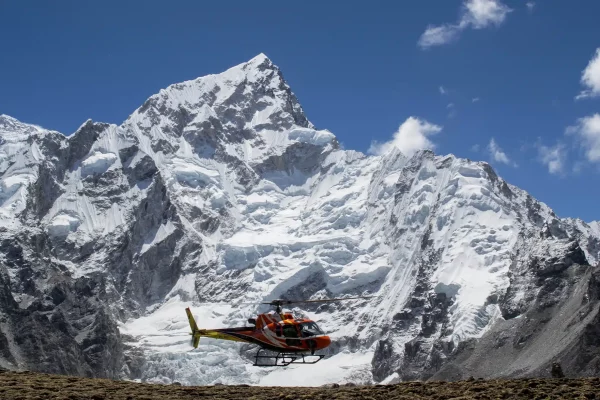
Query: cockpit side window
[[310, 329], [290, 331]]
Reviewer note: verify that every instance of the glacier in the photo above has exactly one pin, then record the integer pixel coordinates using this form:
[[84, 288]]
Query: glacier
[[217, 192]]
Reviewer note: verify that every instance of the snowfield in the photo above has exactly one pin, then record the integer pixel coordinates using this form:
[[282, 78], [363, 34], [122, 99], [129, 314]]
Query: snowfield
[[97, 163]]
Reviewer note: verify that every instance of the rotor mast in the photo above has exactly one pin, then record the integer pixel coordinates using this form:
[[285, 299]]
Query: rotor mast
[[278, 309]]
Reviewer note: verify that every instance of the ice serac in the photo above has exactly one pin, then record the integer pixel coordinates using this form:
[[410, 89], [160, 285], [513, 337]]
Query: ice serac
[[220, 190]]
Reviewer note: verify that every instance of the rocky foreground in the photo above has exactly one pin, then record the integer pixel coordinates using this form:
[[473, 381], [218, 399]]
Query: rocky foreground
[[31, 385]]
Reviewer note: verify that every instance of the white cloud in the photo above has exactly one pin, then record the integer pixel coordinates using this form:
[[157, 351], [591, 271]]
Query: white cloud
[[483, 13], [438, 35], [475, 14], [411, 136], [475, 148], [475, 99], [450, 105], [498, 154], [587, 132], [443, 90], [590, 78], [554, 157], [530, 6]]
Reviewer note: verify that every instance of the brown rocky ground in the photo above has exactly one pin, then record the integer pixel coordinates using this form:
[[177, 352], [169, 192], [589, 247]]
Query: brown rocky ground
[[30, 385]]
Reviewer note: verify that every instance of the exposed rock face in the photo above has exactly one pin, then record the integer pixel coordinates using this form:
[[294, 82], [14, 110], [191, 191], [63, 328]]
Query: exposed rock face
[[62, 324], [220, 190], [560, 324]]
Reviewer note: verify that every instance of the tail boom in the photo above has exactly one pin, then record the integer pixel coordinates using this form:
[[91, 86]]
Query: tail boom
[[222, 334]]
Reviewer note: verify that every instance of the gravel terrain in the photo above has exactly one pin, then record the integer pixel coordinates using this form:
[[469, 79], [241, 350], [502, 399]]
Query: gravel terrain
[[30, 385]]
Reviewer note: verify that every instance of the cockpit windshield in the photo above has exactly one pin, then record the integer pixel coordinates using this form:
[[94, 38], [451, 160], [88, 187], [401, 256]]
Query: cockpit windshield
[[310, 329]]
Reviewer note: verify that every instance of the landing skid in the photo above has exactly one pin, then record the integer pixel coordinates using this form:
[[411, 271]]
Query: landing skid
[[284, 359]]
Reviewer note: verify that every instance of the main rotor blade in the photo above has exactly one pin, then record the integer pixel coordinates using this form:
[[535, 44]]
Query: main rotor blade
[[283, 302], [333, 300], [233, 303], [318, 301]]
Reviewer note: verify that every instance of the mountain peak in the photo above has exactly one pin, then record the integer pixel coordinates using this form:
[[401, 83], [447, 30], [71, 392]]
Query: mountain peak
[[7, 117], [250, 97], [7, 121], [259, 60], [258, 69], [11, 124]]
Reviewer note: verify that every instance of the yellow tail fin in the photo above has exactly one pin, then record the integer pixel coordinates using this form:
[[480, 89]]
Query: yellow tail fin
[[195, 333]]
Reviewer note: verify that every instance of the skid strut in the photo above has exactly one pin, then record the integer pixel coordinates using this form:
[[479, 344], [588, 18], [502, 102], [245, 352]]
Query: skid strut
[[281, 359]]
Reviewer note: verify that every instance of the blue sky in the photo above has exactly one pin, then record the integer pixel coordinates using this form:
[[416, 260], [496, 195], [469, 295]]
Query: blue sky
[[361, 70]]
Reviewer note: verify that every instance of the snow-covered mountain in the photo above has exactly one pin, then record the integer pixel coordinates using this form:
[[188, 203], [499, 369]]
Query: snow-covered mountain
[[219, 190]]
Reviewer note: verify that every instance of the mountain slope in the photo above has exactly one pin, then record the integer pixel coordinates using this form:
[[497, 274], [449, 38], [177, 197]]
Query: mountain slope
[[220, 190]]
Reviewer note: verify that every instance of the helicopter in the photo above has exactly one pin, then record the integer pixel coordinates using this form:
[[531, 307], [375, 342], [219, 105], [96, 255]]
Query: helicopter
[[293, 341]]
